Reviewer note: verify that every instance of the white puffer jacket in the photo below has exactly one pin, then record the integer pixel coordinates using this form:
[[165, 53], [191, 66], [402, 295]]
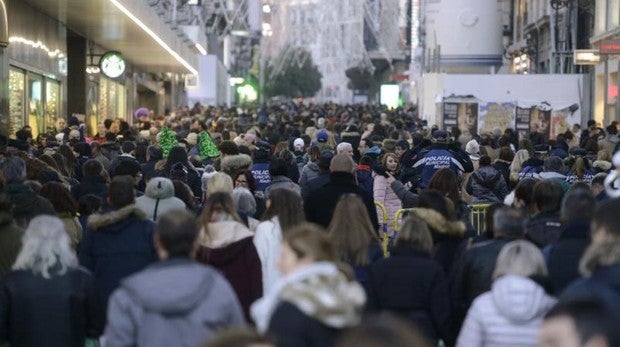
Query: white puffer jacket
[[159, 198]]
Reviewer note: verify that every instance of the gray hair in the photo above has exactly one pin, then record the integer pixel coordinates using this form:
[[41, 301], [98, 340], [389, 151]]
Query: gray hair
[[342, 146], [14, 169], [244, 200], [509, 222], [45, 246], [520, 258]]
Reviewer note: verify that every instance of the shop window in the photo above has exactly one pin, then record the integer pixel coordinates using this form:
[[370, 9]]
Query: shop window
[[17, 80], [35, 105], [52, 104]]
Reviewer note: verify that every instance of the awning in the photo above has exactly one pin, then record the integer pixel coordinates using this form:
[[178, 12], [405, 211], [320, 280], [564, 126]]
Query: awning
[[131, 27]]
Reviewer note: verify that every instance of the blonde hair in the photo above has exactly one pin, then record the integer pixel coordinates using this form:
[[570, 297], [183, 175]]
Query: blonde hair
[[415, 233], [310, 240], [520, 258], [515, 167], [45, 246], [220, 182]]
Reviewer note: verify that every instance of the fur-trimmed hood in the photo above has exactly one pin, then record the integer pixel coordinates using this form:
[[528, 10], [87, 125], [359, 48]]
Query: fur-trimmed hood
[[320, 291], [438, 223], [222, 234], [233, 163], [602, 165], [98, 221], [596, 255]]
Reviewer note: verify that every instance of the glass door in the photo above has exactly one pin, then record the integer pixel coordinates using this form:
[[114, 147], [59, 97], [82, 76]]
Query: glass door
[[52, 102], [35, 104], [92, 108], [17, 80]]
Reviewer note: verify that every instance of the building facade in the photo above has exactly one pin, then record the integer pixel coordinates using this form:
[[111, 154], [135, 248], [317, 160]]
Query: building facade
[[51, 67], [607, 72]]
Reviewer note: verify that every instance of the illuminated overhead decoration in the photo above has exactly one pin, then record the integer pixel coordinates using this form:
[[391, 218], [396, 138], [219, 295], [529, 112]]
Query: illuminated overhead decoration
[[112, 64], [155, 37], [38, 44]]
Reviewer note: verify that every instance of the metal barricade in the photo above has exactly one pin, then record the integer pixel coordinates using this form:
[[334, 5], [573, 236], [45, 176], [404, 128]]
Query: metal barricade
[[384, 232], [478, 215]]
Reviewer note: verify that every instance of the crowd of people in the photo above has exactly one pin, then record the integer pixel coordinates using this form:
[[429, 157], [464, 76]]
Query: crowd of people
[[283, 226]]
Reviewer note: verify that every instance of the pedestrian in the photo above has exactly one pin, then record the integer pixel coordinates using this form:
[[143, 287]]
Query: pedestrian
[[410, 283], [48, 300], [314, 301], [170, 302], [283, 213], [118, 241], [511, 313], [352, 234], [227, 244]]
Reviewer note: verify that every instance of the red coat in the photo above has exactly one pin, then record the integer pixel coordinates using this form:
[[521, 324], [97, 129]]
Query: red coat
[[238, 261]]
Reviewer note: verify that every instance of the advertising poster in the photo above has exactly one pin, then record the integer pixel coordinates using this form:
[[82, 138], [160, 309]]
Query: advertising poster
[[541, 119], [559, 122], [523, 116], [450, 115], [468, 118], [495, 115]]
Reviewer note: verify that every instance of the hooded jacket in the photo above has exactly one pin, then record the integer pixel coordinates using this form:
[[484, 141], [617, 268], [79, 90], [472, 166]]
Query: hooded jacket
[[175, 302], [447, 235], [487, 185], [159, 198], [509, 315], [310, 306], [309, 172], [231, 164], [115, 245], [228, 246]]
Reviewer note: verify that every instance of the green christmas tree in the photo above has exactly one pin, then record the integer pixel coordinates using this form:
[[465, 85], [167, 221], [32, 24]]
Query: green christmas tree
[[167, 140], [208, 149]]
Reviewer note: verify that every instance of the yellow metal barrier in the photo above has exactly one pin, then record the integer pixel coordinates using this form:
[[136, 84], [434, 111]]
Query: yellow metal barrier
[[478, 215], [397, 215], [384, 232]]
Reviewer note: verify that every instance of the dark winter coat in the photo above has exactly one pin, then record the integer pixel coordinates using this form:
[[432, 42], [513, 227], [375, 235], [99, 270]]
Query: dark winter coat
[[473, 274], [504, 168], [601, 265], [10, 242], [292, 328], [60, 311], [90, 185], [231, 250], [413, 285], [260, 171], [115, 245], [364, 178], [564, 256], [544, 228], [27, 204], [487, 185], [440, 156], [319, 205], [447, 235], [175, 302], [530, 168], [314, 184]]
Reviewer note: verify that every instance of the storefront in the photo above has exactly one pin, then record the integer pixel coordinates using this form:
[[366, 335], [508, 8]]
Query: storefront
[[37, 70]]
